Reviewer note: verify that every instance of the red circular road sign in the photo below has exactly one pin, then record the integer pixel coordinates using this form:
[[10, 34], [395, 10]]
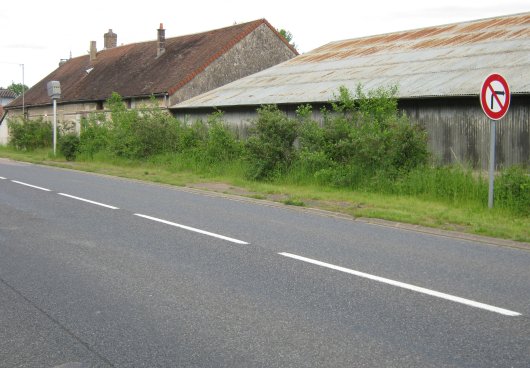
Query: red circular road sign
[[495, 96]]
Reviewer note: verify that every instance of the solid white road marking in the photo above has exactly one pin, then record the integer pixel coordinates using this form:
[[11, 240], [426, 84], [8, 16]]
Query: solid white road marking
[[88, 201], [192, 229], [405, 286], [31, 186]]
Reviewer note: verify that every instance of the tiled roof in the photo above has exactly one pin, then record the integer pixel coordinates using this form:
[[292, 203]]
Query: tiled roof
[[134, 69], [2, 114], [6, 93]]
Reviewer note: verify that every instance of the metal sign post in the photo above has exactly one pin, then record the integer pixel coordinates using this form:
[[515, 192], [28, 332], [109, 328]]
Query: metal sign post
[[54, 91], [54, 126], [492, 163], [495, 101]]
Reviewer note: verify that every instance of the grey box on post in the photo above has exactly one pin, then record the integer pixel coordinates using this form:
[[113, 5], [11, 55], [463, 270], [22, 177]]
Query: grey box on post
[[54, 89]]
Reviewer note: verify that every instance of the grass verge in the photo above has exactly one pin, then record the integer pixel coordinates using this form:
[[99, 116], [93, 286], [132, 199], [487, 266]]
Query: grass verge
[[464, 217]]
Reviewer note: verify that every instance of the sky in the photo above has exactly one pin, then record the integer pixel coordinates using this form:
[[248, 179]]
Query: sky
[[38, 34]]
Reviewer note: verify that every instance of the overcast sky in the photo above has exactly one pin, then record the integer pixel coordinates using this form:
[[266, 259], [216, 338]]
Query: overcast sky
[[38, 33]]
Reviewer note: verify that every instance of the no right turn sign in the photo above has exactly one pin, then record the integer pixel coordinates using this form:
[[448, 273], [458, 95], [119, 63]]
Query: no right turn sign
[[495, 96]]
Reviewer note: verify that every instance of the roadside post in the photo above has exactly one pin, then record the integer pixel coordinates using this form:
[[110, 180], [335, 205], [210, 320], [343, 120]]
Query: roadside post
[[495, 101], [54, 92]]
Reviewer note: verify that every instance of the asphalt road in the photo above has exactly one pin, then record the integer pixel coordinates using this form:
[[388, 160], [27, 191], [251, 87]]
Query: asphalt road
[[105, 272]]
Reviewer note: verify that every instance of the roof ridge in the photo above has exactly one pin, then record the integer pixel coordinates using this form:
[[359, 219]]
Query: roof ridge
[[445, 25], [186, 35], [260, 21]]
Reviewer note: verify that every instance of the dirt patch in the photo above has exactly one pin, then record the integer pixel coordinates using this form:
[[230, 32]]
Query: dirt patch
[[223, 188], [456, 227], [337, 206]]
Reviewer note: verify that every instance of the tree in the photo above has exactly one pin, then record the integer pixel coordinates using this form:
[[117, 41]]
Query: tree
[[288, 36], [17, 88]]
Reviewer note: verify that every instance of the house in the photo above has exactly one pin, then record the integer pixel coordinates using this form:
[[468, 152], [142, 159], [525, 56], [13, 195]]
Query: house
[[438, 70], [6, 96], [170, 69]]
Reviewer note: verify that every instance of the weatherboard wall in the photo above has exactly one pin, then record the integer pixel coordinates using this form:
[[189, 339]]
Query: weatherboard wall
[[459, 131]]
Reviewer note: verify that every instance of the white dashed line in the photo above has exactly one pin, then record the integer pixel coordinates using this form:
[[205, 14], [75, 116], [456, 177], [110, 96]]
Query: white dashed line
[[88, 201], [31, 186], [403, 285], [2, 178], [237, 241]]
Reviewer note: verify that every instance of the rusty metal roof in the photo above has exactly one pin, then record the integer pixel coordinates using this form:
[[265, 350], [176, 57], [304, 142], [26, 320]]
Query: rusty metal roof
[[448, 60]]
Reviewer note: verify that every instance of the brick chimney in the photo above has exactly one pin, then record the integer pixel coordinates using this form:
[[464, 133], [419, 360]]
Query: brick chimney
[[93, 50], [161, 41], [111, 39]]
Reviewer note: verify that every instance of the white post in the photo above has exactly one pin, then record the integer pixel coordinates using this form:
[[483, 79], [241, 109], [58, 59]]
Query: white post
[[54, 126], [492, 164]]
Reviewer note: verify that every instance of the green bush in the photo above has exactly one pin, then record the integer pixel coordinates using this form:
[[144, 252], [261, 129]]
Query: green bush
[[366, 130], [155, 132], [408, 146], [94, 135], [69, 146], [121, 139], [221, 143], [363, 141], [140, 133], [192, 136], [270, 148], [29, 135]]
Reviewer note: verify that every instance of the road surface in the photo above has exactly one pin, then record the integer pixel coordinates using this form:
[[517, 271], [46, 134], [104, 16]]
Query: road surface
[[105, 272]]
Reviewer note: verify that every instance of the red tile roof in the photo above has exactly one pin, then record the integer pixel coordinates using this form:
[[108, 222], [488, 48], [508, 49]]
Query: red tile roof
[[134, 70]]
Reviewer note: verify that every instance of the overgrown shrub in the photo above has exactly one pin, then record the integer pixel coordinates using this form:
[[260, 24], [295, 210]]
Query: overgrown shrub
[[270, 148], [155, 132], [69, 146], [94, 135], [221, 143], [31, 134], [366, 130], [408, 146], [363, 141], [192, 136], [140, 133]]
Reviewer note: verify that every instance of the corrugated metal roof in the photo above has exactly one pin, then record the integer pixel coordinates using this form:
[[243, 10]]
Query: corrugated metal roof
[[450, 60]]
